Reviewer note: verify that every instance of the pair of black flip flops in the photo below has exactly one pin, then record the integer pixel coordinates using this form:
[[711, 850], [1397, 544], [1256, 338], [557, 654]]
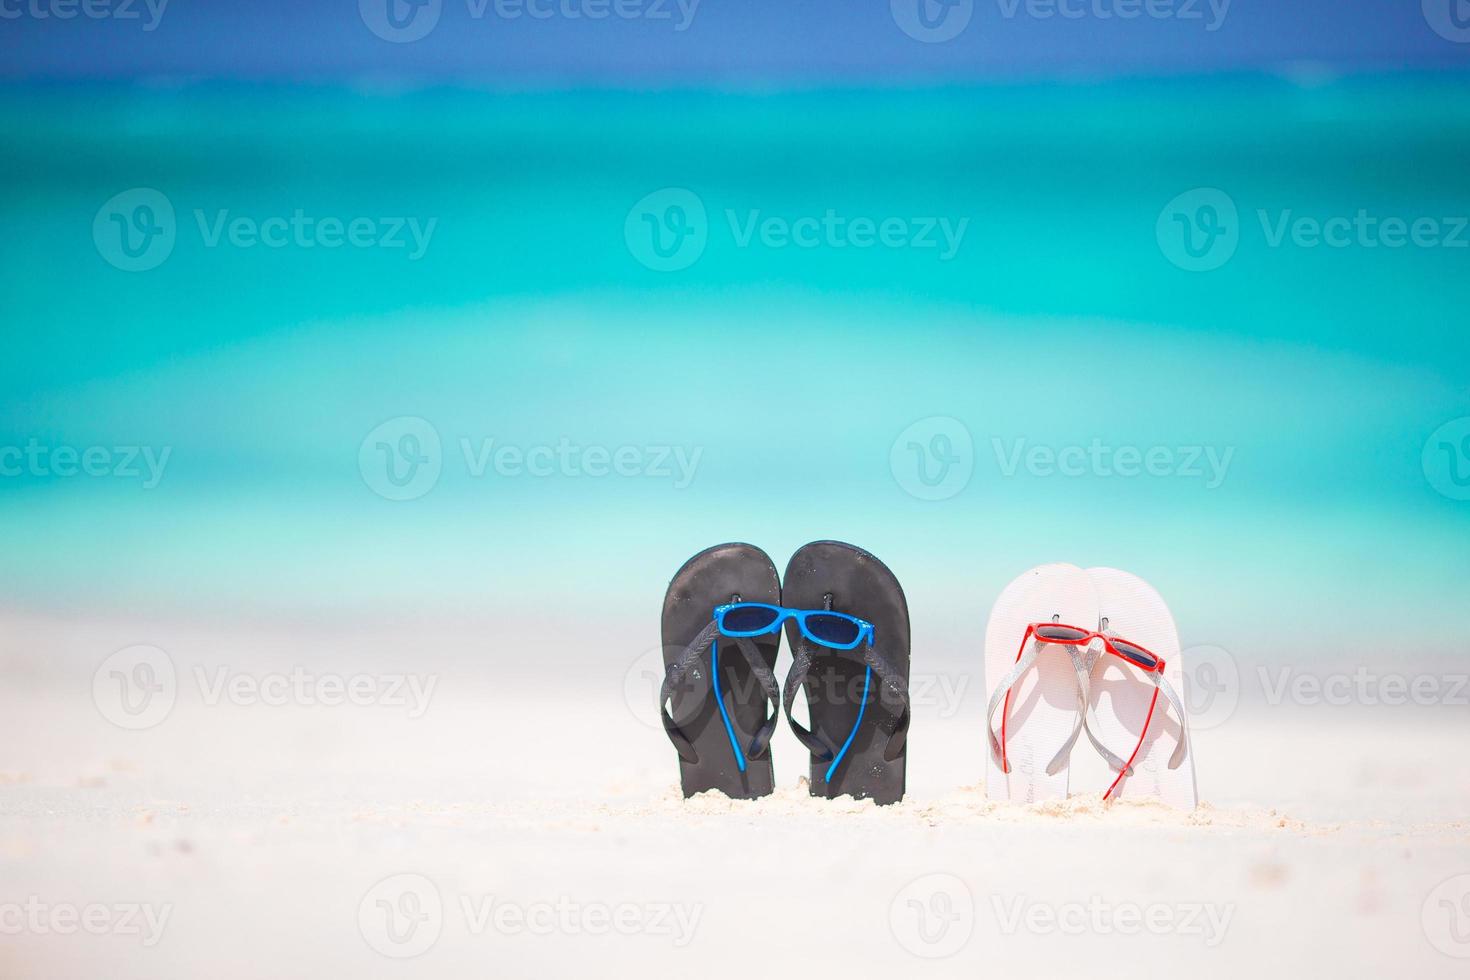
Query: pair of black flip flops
[[847, 624]]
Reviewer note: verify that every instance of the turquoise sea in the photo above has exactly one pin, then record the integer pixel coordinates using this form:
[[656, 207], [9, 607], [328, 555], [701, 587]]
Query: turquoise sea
[[830, 305]]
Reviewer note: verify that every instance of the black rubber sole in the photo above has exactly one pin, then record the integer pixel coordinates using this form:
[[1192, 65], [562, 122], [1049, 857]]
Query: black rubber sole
[[859, 585], [711, 578]]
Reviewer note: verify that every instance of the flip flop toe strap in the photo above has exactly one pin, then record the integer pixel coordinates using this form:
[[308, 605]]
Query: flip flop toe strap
[[1161, 686], [1082, 724], [816, 743], [893, 694], [690, 665], [1116, 762]]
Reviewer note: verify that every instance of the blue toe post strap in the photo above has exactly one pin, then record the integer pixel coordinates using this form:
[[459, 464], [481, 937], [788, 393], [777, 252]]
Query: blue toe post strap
[[892, 693], [689, 670]]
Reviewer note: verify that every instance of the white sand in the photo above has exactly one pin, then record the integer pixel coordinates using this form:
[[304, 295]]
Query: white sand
[[261, 832]]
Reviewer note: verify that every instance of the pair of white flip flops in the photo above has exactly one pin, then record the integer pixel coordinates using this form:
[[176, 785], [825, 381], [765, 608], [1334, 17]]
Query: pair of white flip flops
[[1123, 687]]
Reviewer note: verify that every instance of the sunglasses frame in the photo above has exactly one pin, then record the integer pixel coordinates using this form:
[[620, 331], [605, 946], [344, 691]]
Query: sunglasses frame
[[865, 628], [1157, 667]]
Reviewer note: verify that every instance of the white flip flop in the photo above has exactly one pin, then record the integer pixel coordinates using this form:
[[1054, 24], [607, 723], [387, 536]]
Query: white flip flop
[[1139, 715], [1034, 689]]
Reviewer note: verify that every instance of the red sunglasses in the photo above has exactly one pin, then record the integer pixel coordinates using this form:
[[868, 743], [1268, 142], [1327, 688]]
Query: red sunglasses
[[1077, 636]]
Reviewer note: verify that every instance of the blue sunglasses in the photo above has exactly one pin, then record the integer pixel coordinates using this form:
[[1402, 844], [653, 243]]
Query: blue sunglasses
[[831, 629]]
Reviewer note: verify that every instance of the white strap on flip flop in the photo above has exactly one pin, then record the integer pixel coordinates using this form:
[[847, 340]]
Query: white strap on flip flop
[[1082, 667]]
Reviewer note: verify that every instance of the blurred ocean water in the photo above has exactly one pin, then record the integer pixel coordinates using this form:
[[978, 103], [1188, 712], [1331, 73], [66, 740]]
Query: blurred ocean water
[[1170, 326]]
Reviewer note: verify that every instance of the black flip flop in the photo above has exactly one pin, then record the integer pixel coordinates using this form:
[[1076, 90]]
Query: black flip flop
[[857, 699], [717, 688]]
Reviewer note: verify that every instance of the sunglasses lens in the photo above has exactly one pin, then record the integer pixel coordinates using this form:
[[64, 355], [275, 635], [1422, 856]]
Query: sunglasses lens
[[1062, 634], [832, 629], [1138, 655], [744, 618]]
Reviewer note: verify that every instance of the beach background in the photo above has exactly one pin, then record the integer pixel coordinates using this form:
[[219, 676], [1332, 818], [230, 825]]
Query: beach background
[[361, 392]]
